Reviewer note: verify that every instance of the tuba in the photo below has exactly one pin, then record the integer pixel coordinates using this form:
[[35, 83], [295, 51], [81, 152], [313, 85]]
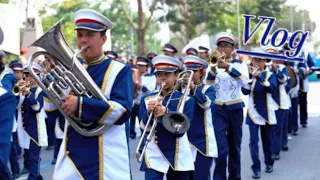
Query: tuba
[[175, 122], [214, 58], [67, 74]]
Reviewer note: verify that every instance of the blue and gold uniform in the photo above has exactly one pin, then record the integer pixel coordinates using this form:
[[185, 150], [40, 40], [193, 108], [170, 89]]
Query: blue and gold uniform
[[167, 153], [228, 111], [282, 97], [304, 87], [7, 111], [201, 133], [54, 115], [31, 126], [148, 84], [104, 156], [261, 115]]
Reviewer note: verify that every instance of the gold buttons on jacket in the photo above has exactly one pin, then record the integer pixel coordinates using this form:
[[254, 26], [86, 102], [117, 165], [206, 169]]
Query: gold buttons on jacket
[[67, 152]]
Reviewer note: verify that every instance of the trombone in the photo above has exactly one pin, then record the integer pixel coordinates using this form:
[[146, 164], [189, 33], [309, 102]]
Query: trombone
[[175, 122]]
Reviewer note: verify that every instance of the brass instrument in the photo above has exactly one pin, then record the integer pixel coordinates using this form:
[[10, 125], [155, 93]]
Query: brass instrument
[[175, 122], [293, 77], [215, 57], [66, 73], [17, 88]]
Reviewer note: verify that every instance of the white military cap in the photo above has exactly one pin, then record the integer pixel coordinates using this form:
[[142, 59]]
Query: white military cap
[[203, 49], [36, 67], [91, 20], [273, 50], [166, 63], [258, 50], [194, 62], [225, 37]]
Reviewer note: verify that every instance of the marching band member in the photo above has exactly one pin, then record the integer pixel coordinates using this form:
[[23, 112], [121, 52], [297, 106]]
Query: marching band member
[[104, 156], [7, 111], [294, 96], [192, 51], [203, 52], [170, 50], [201, 133], [111, 54], [15, 148], [31, 123], [282, 97], [228, 77], [305, 70], [150, 56], [146, 84], [7, 78], [261, 112], [166, 153]]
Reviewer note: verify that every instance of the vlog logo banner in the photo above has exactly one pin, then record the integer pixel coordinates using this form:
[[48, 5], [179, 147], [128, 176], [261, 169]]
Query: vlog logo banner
[[283, 34]]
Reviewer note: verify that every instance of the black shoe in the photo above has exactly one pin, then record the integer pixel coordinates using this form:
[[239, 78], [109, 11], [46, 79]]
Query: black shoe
[[304, 125], [24, 171], [285, 148], [256, 175], [269, 169], [50, 148], [16, 176], [275, 157], [294, 133], [133, 135], [54, 161]]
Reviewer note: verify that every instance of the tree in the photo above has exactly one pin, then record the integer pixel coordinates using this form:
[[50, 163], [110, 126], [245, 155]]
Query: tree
[[4, 1], [63, 10], [143, 24], [121, 31]]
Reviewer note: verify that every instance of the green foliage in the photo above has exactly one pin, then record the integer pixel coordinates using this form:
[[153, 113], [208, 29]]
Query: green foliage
[[216, 17], [120, 33], [63, 10], [4, 1]]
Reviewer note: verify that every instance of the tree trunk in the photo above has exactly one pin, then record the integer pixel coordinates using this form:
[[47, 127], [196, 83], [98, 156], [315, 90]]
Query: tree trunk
[[141, 42], [141, 31]]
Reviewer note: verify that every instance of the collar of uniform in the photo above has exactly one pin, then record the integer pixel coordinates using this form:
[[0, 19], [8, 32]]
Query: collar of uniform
[[96, 61], [144, 74], [169, 93], [33, 86]]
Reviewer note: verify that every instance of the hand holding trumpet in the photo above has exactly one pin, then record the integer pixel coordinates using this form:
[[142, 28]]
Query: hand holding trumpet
[[156, 107], [22, 87], [218, 59]]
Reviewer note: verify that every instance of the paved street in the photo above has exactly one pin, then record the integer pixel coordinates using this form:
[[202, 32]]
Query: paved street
[[301, 162]]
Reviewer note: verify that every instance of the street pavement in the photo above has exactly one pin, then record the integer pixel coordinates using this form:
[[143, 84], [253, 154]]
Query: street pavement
[[301, 162]]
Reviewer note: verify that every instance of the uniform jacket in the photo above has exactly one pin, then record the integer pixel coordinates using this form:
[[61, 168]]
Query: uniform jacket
[[261, 105], [228, 83], [201, 133], [104, 156], [31, 119], [166, 149]]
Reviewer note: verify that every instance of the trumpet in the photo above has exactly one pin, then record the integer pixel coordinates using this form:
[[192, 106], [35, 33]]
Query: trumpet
[[215, 57], [148, 129], [174, 122], [17, 88]]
